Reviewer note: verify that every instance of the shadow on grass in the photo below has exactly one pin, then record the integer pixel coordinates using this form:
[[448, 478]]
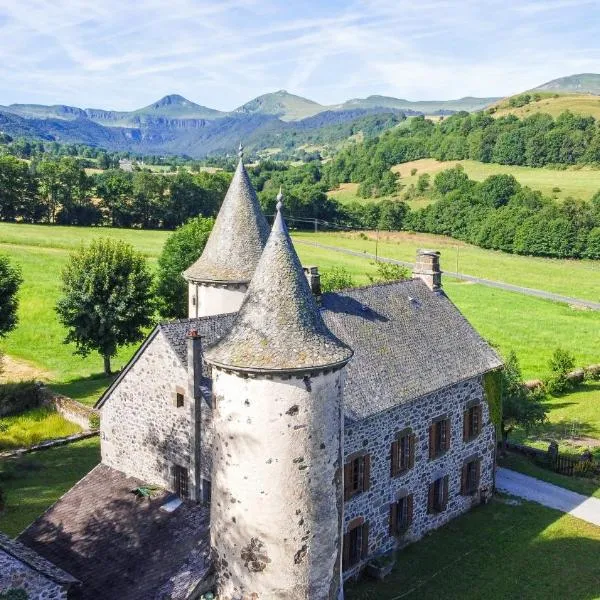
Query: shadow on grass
[[85, 389], [31, 483], [501, 550]]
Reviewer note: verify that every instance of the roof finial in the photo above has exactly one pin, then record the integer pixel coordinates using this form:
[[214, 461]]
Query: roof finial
[[279, 200], [241, 151]]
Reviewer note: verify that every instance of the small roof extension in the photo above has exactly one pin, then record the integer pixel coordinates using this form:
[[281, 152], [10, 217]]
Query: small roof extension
[[279, 326], [238, 237]]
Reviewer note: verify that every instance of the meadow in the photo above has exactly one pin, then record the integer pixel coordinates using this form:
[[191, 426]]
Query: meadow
[[554, 104], [531, 326]]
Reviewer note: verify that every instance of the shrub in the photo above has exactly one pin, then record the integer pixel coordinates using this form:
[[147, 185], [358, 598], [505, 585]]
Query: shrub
[[389, 272], [413, 171], [337, 278], [561, 364], [556, 189], [94, 421], [18, 397]]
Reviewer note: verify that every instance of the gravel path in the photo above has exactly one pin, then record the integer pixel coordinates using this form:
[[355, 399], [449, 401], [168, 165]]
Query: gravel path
[[553, 496], [497, 284]]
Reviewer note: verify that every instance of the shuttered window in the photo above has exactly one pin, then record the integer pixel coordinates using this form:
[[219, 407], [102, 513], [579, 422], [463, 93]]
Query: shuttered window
[[471, 474], [355, 544], [439, 437], [438, 495], [472, 422], [401, 515], [403, 453], [357, 475]]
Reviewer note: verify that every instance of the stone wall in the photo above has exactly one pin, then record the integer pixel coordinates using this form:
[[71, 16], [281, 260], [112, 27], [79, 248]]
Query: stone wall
[[375, 436], [72, 410], [15, 574], [143, 433], [277, 497]]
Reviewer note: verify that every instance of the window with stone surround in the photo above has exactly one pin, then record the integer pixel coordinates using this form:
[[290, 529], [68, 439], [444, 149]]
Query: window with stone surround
[[356, 543], [439, 436], [401, 515], [357, 475], [403, 452], [470, 476], [179, 397], [438, 495], [472, 417]]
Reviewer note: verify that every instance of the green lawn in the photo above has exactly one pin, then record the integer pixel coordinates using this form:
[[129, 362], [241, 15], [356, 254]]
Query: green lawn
[[574, 278], [32, 427], [501, 551], [32, 482], [580, 183], [588, 486]]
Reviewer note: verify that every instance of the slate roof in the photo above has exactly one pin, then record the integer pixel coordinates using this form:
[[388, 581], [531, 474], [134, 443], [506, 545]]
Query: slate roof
[[237, 239], [408, 342], [120, 546], [35, 561], [279, 326]]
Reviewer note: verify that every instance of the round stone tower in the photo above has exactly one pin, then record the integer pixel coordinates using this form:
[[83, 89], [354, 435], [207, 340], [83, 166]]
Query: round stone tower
[[277, 498], [218, 280]]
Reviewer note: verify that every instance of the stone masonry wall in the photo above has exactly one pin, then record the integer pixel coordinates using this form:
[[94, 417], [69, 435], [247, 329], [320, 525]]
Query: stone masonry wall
[[375, 436], [143, 433], [15, 574]]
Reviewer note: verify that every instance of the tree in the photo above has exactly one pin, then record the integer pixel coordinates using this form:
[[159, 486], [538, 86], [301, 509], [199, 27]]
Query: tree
[[183, 247], [107, 298], [389, 272], [561, 364], [10, 280], [520, 407], [336, 278]]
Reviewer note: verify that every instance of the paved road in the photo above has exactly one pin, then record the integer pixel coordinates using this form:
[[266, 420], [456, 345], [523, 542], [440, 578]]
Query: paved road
[[497, 284], [553, 496]]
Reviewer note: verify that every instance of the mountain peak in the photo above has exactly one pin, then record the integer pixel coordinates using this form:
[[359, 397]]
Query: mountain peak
[[580, 83], [172, 99]]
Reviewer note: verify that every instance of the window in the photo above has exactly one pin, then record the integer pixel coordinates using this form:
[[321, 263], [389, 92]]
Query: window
[[357, 475], [438, 495], [401, 513], [472, 422], [178, 397], [403, 453], [356, 543], [439, 437], [180, 481], [471, 472], [206, 492]]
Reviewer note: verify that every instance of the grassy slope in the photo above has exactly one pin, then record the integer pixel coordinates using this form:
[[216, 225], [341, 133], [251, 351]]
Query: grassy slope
[[34, 481], [32, 427], [499, 551], [582, 104], [576, 278], [580, 183]]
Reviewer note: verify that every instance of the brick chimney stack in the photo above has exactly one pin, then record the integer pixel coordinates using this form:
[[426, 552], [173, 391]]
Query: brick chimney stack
[[427, 268]]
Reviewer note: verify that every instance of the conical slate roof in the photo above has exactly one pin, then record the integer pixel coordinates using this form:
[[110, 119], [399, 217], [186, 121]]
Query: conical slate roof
[[237, 239], [279, 326]]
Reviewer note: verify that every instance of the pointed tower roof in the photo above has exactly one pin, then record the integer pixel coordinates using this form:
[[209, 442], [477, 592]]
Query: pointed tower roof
[[279, 326], [238, 237]]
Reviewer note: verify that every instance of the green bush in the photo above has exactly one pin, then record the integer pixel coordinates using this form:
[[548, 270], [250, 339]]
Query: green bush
[[337, 278], [18, 397], [94, 421], [561, 364]]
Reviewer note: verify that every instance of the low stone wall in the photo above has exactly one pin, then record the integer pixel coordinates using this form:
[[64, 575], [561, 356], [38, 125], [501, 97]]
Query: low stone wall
[[80, 414], [49, 444]]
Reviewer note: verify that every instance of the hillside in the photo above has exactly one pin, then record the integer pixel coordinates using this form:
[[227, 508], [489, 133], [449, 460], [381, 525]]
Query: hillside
[[427, 107], [552, 104], [583, 83], [282, 104]]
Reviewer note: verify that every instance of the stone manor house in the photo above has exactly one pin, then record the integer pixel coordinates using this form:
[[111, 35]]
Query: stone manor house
[[286, 437]]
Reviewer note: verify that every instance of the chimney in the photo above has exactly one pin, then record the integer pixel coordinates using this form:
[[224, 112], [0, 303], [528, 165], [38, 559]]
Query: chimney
[[314, 280], [427, 268], [194, 354]]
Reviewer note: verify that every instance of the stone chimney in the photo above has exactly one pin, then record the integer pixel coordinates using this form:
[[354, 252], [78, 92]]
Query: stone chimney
[[427, 268], [194, 361], [314, 280], [194, 354]]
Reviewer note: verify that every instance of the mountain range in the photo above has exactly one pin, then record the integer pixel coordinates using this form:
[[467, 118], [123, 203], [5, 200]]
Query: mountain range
[[176, 125]]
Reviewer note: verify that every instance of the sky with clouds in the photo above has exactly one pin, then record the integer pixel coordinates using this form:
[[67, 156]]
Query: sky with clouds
[[124, 54]]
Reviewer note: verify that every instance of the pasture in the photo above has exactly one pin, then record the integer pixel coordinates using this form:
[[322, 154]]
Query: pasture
[[531, 326], [554, 104]]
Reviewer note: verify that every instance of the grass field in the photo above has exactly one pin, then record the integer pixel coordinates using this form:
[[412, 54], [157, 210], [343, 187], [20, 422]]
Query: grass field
[[581, 104], [501, 550], [575, 278], [348, 192], [32, 427], [580, 183], [32, 482]]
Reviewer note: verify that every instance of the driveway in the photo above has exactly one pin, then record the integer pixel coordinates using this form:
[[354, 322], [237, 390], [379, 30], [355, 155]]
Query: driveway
[[553, 496]]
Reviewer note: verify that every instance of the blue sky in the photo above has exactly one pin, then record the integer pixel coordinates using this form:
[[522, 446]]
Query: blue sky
[[124, 54]]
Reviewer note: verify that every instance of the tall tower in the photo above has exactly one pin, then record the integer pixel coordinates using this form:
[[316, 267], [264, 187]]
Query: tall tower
[[218, 280], [276, 510]]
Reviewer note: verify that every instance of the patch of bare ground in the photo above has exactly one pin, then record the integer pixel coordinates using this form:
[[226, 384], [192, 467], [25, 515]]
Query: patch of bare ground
[[14, 369]]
